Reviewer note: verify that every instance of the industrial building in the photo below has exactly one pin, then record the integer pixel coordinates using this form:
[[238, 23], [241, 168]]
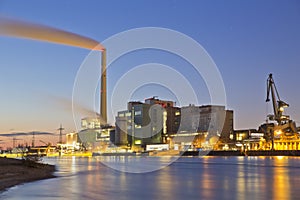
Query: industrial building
[[146, 123], [159, 122], [93, 134], [203, 126], [214, 119]]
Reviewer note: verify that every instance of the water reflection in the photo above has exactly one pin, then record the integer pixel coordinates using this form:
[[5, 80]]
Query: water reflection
[[240, 182], [187, 178], [207, 183], [136, 164], [281, 183]]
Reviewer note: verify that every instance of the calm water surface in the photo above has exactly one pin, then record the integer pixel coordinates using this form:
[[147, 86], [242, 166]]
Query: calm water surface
[[186, 178]]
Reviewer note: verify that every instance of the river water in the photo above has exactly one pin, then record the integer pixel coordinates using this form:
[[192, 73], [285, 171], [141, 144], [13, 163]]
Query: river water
[[183, 178]]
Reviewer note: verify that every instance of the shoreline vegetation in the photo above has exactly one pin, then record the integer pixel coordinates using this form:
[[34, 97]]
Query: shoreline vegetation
[[18, 171]]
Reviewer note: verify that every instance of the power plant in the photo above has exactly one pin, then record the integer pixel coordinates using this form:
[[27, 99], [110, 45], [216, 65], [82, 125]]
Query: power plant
[[278, 133]]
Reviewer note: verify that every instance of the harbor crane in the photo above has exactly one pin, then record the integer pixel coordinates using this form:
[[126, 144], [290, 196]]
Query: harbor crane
[[284, 127]]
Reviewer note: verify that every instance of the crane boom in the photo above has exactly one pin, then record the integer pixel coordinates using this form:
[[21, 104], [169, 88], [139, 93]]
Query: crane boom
[[278, 105], [284, 130], [271, 87]]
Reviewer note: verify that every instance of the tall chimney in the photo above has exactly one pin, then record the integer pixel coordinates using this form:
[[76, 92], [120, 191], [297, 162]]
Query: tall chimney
[[103, 105]]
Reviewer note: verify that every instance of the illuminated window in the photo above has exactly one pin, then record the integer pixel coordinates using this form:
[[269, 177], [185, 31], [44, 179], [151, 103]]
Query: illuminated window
[[239, 136], [177, 113], [137, 126], [137, 112], [138, 142]]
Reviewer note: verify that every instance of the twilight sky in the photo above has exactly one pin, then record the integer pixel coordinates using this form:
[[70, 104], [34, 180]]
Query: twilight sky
[[246, 39]]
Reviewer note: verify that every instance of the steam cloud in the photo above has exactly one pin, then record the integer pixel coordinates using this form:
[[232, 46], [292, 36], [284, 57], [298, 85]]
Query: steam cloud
[[21, 29], [66, 104]]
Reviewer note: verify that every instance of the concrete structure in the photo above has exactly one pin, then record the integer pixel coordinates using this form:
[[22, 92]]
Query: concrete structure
[[243, 134], [159, 122], [190, 119], [172, 122], [163, 103], [212, 119], [217, 121], [103, 92], [123, 123], [90, 123], [72, 143], [147, 123], [93, 134]]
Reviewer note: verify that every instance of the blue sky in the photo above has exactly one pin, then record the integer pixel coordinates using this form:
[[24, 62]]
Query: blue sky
[[246, 39]]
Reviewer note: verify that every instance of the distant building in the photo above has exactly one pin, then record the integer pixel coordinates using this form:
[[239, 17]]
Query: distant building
[[172, 122], [216, 120], [147, 123], [72, 141], [243, 134], [159, 122], [90, 123], [93, 135], [203, 127], [190, 119], [163, 103], [213, 119], [123, 123]]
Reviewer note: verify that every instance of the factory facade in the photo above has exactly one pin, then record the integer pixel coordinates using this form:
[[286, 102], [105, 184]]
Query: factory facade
[[93, 135], [146, 123], [158, 121]]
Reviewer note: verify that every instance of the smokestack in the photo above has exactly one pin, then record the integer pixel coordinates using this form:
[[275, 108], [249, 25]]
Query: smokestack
[[103, 103], [21, 29]]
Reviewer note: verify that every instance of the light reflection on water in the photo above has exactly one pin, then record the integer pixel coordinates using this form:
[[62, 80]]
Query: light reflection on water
[[187, 178]]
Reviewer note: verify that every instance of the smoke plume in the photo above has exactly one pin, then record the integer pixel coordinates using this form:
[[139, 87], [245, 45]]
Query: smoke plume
[[21, 29]]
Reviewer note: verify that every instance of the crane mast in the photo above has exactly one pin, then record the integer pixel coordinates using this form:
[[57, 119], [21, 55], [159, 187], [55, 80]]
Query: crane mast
[[278, 105], [284, 124], [282, 133]]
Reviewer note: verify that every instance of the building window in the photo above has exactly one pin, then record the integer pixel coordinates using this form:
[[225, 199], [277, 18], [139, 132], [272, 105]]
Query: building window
[[177, 113], [137, 126], [138, 142], [239, 137], [137, 112]]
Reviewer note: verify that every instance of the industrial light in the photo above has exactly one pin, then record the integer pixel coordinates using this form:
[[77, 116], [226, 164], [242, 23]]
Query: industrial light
[[278, 132]]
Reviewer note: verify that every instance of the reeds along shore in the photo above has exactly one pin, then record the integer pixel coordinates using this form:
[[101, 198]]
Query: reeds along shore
[[14, 172]]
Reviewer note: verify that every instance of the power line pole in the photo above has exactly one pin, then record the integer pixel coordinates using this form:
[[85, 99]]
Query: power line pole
[[33, 139], [60, 134]]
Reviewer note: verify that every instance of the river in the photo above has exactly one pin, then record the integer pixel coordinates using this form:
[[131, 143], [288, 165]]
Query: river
[[166, 178]]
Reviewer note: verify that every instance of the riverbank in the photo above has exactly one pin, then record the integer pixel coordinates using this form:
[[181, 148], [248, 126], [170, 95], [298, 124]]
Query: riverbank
[[14, 172]]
